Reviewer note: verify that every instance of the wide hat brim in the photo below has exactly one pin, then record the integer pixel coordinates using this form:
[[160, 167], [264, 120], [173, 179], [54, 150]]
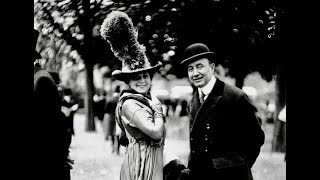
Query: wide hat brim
[[209, 55], [121, 75]]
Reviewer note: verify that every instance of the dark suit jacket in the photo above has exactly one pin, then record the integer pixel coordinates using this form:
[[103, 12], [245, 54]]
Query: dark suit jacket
[[50, 137], [225, 135]]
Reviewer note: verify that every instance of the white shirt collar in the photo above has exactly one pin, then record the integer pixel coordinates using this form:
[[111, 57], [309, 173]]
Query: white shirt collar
[[207, 88]]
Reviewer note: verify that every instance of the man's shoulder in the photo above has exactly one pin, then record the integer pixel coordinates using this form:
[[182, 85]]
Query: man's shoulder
[[43, 79], [232, 91], [232, 88], [40, 74]]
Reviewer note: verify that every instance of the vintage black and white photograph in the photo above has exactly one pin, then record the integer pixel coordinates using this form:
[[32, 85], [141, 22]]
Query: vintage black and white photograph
[[159, 90]]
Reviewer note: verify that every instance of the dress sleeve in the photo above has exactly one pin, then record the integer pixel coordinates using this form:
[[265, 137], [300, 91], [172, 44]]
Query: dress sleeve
[[140, 116]]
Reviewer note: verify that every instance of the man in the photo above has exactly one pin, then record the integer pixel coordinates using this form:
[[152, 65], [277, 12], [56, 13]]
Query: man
[[225, 135], [50, 137]]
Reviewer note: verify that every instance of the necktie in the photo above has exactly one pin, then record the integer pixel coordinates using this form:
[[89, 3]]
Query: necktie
[[201, 97]]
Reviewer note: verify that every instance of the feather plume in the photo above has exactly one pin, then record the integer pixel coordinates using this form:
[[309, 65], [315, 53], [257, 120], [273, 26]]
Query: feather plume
[[118, 30]]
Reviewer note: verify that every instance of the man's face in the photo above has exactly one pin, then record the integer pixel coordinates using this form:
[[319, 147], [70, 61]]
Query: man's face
[[200, 72]]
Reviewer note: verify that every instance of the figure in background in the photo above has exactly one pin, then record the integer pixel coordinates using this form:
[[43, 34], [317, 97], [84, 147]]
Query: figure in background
[[183, 104], [99, 102], [70, 106], [283, 117], [109, 121], [50, 139], [225, 134]]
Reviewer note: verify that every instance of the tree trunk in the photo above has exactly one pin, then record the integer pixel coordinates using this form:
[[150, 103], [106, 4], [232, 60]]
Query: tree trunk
[[90, 125], [88, 60], [279, 138]]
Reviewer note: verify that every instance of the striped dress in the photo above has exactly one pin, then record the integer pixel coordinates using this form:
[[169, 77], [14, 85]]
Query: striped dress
[[144, 155]]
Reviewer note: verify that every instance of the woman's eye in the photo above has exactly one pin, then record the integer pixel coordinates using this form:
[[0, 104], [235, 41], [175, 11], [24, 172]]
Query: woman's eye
[[145, 76], [136, 77]]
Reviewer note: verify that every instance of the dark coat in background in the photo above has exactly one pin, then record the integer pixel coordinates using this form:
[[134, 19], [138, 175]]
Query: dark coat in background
[[225, 135], [50, 137], [110, 109], [70, 105]]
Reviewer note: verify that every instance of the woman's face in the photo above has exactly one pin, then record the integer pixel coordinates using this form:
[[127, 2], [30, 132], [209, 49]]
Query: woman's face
[[140, 82]]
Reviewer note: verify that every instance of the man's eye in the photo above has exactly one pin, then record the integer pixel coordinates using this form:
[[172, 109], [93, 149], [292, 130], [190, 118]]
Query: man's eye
[[200, 67]]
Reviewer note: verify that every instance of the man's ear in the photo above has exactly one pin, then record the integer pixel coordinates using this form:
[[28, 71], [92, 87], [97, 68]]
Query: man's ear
[[212, 65]]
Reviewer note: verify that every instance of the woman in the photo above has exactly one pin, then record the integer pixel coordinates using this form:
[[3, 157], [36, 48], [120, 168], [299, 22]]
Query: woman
[[143, 122], [139, 115]]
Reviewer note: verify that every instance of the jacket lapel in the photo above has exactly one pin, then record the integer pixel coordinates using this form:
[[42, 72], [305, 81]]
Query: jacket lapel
[[194, 108], [210, 103]]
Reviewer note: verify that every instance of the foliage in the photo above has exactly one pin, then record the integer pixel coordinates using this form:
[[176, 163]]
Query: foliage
[[242, 33], [246, 35], [74, 22], [67, 20]]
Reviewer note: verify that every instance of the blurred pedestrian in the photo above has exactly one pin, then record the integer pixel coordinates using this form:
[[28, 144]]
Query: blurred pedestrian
[[184, 106], [225, 135], [99, 102], [50, 137], [70, 106], [109, 120], [283, 117], [138, 114]]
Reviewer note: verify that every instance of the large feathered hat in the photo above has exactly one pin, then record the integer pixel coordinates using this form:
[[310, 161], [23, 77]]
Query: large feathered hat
[[120, 33]]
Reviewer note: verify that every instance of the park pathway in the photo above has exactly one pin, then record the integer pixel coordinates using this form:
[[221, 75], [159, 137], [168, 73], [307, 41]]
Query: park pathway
[[94, 159]]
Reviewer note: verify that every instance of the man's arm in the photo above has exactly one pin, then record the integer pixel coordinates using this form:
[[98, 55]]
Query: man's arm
[[253, 134]]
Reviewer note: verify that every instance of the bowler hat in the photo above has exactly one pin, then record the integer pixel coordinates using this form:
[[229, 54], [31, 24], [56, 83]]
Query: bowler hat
[[36, 55], [195, 52]]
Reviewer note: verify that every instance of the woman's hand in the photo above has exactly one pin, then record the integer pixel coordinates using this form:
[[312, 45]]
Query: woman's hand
[[156, 107]]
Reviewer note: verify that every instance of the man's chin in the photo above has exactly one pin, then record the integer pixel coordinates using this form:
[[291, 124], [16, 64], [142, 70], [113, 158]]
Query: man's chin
[[198, 84]]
